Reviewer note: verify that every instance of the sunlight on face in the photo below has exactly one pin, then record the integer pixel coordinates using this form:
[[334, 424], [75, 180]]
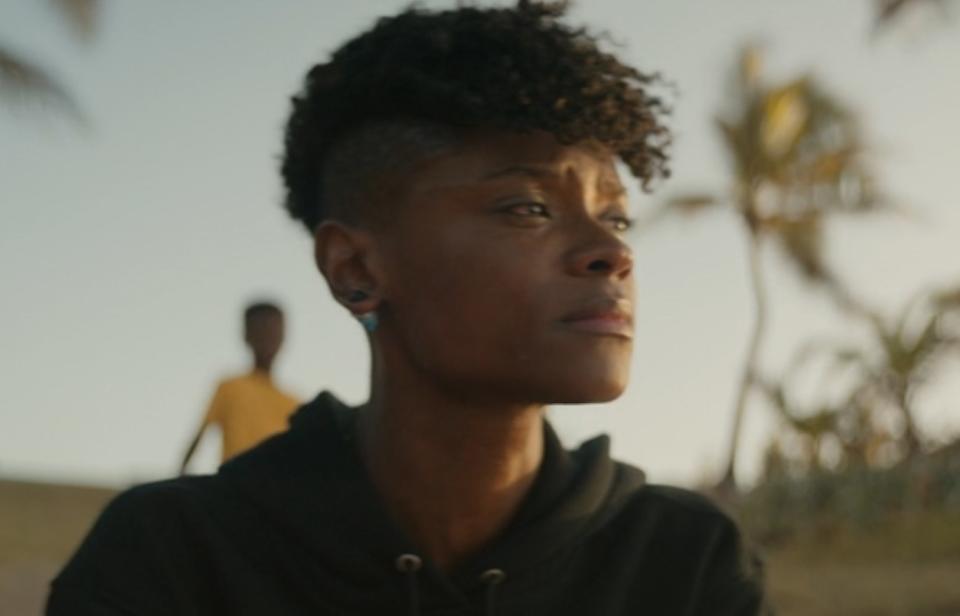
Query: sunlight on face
[[507, 276]]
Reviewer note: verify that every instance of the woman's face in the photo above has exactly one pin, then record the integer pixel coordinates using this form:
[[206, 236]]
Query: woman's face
[[505, 275]]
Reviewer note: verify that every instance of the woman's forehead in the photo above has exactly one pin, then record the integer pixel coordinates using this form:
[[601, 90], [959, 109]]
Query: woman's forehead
[[492, 155]]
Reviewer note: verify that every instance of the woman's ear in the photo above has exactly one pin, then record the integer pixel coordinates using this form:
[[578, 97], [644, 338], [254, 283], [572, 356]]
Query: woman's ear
[[344, 257]]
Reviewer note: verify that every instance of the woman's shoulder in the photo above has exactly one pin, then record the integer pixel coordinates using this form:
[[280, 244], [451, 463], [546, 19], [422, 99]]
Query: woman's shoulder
[[160, 509], [674, 510], [162, 496], [144, 530], [683, 501], [691, 537]]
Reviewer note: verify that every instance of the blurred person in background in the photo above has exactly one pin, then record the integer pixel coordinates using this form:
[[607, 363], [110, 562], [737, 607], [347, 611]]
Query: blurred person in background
[[249, 408], [457, 170]]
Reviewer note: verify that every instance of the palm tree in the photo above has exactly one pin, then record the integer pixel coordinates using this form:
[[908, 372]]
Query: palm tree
[[796, 159], [850, 420], [906, 352], [889, 11], [910, 347], [22, 79]]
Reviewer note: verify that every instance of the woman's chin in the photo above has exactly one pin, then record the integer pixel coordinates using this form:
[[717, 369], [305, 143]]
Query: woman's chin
[[593, 391]]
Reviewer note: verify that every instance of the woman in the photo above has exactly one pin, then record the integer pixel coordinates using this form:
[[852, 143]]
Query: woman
[[457, 170]]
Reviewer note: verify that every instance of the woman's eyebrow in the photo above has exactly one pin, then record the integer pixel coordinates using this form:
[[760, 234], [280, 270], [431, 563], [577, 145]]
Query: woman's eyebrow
[[521, 170], [609, 187], [612, 189], [615, 208]]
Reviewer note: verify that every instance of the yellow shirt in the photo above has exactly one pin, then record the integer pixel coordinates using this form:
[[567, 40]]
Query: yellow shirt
[[248, 409]]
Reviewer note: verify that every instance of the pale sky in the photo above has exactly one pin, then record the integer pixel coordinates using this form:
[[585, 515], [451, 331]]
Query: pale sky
[[127, 249]]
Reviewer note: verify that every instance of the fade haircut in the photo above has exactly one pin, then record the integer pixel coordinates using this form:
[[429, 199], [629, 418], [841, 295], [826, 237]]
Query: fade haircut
[[409, 86]]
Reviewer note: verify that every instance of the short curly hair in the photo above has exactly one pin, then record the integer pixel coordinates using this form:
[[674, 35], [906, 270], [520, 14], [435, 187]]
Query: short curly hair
[[517, 68]]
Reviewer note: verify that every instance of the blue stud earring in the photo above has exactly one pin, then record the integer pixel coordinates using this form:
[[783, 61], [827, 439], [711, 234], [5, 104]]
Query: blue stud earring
[[369, 320]]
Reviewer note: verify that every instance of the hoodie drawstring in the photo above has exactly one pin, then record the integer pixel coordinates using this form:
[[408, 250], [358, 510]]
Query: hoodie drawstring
[[492, 578], [409, 564]]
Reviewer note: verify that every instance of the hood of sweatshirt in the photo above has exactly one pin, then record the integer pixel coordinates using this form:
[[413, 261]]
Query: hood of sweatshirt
[[309, 485]]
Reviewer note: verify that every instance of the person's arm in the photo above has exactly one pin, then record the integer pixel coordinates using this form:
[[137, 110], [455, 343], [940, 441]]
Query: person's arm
[[211, 416], [192, 448]]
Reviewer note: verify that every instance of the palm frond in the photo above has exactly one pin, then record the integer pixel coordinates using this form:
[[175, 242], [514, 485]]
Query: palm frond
[[22, 80], [783, 119], [80, 15], [947, 299], [802, 241], [689, 204], [889, 11], [750, 67]]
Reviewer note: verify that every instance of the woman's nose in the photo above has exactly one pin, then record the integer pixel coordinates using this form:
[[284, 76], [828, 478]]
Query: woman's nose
[[608, 257]]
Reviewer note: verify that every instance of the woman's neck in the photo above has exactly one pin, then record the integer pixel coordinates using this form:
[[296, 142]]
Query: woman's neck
[[451, 473]]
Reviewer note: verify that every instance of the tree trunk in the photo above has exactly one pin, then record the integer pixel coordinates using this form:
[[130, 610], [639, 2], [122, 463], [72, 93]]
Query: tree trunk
[[911, 436], [729, 482]]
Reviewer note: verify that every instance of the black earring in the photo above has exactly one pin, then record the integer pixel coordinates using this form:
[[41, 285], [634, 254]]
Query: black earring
[[357, 296]]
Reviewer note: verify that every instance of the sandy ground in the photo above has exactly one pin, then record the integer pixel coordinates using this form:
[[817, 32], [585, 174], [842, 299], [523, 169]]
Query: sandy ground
[[40, 526], [865, 589]]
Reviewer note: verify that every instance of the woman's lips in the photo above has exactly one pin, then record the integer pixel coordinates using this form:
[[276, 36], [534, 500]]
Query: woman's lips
[[609, 318]]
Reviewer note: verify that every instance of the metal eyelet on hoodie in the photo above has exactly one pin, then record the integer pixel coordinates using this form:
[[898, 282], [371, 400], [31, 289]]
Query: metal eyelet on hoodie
[[409, 564], [492, 578]]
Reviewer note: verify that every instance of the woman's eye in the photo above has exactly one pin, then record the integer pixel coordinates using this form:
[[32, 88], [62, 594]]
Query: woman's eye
[[527, 214], [529, 210], [621, 224]]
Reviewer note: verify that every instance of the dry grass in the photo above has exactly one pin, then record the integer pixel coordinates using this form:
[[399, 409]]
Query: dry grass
[[903, 565], [882, 588]]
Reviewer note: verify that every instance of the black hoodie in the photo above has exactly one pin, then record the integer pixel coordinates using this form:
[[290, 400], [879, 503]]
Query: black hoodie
[[295, 527]]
